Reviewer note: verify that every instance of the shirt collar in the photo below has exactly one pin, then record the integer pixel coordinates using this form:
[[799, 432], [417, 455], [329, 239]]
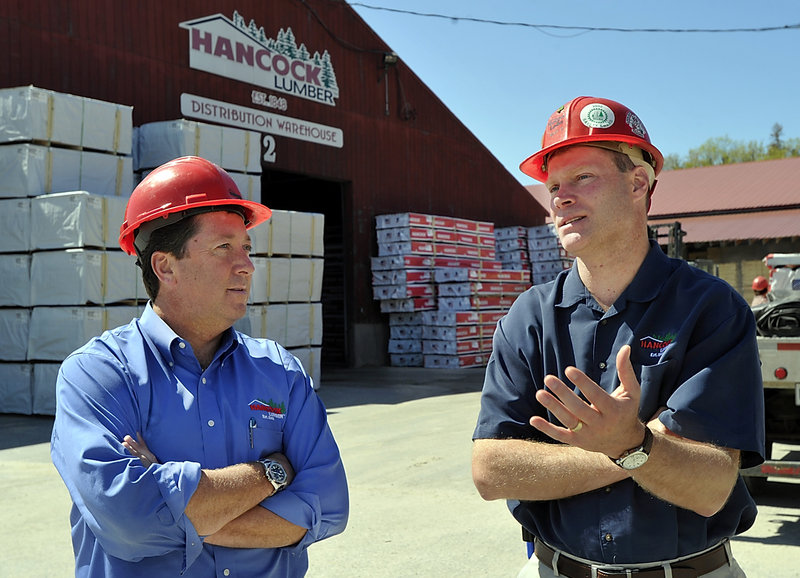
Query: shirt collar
[[163, 337], [645, 286]]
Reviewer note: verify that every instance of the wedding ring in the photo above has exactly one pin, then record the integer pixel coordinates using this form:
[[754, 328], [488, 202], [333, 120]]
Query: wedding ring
[[577, 427]]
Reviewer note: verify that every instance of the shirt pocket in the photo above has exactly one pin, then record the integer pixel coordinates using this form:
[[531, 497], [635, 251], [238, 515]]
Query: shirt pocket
[[266, 438], [657, 382]]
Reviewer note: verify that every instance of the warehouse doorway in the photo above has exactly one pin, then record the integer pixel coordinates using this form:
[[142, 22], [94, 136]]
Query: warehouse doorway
[[297, 192]]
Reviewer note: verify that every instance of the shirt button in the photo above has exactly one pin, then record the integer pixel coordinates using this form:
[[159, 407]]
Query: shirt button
[[204, 380], [226, 572], [608, 490], [211, 423], [608, 538], [182, 345], [602, 365]]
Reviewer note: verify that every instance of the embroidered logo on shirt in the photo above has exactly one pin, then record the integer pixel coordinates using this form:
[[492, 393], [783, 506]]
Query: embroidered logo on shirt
[[656, 344], [270, 409]]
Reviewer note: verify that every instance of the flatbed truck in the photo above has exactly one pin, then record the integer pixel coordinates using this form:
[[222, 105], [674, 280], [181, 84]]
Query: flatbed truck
[[779, 350]]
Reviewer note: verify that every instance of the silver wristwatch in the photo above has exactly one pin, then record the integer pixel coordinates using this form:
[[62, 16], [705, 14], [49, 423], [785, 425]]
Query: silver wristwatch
[[636, 457], [275, 473]]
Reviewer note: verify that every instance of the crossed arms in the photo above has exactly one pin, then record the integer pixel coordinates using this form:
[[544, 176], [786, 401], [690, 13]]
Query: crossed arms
[[225, 506]]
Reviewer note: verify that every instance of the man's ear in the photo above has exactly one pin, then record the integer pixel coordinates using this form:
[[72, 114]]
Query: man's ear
[[641, 183], [162, 264]]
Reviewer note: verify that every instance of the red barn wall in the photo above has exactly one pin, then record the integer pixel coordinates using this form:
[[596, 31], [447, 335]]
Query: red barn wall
[[418, 158]]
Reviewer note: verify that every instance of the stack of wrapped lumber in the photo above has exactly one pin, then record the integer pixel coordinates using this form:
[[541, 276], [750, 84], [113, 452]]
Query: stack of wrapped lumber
[[548, 257], [68, 164], [471, 301], [433, 273], [235, 150], [453, 339], [512, 248], [53, 142], [72, 284], [67, 174], [286, 291]]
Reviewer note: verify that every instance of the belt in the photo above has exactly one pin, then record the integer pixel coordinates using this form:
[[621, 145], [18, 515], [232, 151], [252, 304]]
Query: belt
[[688, 568]]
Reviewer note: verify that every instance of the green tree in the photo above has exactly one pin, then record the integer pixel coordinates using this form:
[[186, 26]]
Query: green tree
[[775, 149], [724, 150], [672, 162]]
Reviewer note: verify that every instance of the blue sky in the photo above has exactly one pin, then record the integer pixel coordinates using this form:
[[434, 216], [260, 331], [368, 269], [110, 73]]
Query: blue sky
[[503, 82]]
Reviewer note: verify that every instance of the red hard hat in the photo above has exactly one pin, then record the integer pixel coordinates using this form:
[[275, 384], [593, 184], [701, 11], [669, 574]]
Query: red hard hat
[[180, 188], [589, 120], [760, 283]]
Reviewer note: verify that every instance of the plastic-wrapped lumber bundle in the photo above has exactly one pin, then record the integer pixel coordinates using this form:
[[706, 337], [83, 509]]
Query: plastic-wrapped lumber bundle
[[31, 114], [548, 257], [233, 149], [405, 339], [453, 339], [512, 248], [31, 169]]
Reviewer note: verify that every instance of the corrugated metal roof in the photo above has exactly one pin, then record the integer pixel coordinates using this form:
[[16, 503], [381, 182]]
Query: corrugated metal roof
[[738, 227], [737, 187]]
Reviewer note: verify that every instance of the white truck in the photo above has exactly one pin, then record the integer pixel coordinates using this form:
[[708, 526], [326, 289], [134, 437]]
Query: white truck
[[778, 323]]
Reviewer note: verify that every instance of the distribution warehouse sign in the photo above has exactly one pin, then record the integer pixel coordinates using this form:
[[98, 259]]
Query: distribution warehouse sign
[[236, 50], [253, 119]]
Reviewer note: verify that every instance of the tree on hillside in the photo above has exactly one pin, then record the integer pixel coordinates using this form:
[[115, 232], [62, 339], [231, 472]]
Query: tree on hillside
[[724, 150], [777, 130], [781, 149]]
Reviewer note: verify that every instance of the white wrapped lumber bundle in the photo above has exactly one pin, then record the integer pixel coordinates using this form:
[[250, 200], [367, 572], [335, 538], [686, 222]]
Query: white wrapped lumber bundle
[[231, 148], [30, 169], [31, 114]]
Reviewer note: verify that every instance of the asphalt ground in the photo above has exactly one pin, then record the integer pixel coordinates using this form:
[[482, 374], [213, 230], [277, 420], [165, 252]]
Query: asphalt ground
[[405, 438]]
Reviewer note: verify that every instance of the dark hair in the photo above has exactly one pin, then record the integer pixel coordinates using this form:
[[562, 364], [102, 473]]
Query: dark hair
[[623, 162], [170, 239]]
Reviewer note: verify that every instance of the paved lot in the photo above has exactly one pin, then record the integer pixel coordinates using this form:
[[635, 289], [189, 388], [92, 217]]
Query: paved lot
[[405, 439]]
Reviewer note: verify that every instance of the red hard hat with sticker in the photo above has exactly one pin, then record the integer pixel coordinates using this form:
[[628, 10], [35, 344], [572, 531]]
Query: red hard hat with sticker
[[180, 188], [590, 120]]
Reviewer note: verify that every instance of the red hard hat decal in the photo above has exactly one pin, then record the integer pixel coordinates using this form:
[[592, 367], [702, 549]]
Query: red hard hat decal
[[585, 120], [597, 115]]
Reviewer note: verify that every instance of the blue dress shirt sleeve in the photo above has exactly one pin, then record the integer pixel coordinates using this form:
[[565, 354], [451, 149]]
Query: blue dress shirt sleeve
[[317, 498], [133, 512]]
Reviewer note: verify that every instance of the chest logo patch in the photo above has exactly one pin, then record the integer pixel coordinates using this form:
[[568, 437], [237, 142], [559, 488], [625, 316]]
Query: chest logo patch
[[655, 345], [269, 409]]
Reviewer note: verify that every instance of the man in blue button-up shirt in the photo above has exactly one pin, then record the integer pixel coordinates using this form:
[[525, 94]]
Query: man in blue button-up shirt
[[622, 398], [189, 448]]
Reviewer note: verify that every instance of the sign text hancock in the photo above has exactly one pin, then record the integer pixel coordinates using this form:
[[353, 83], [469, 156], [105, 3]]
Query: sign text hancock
[[234, 50]]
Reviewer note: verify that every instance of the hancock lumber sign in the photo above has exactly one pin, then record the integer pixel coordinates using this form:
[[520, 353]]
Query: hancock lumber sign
[[235, 50]]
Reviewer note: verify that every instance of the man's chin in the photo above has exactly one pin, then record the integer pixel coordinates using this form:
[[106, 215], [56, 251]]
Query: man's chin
[[571, 243]]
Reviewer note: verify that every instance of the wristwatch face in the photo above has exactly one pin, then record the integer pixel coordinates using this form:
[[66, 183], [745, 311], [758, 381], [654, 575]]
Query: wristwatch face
[[277, 473], [633, 461]]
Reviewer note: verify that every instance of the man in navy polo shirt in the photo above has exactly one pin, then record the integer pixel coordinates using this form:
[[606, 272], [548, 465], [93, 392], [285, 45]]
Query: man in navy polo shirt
[[622, 398]]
